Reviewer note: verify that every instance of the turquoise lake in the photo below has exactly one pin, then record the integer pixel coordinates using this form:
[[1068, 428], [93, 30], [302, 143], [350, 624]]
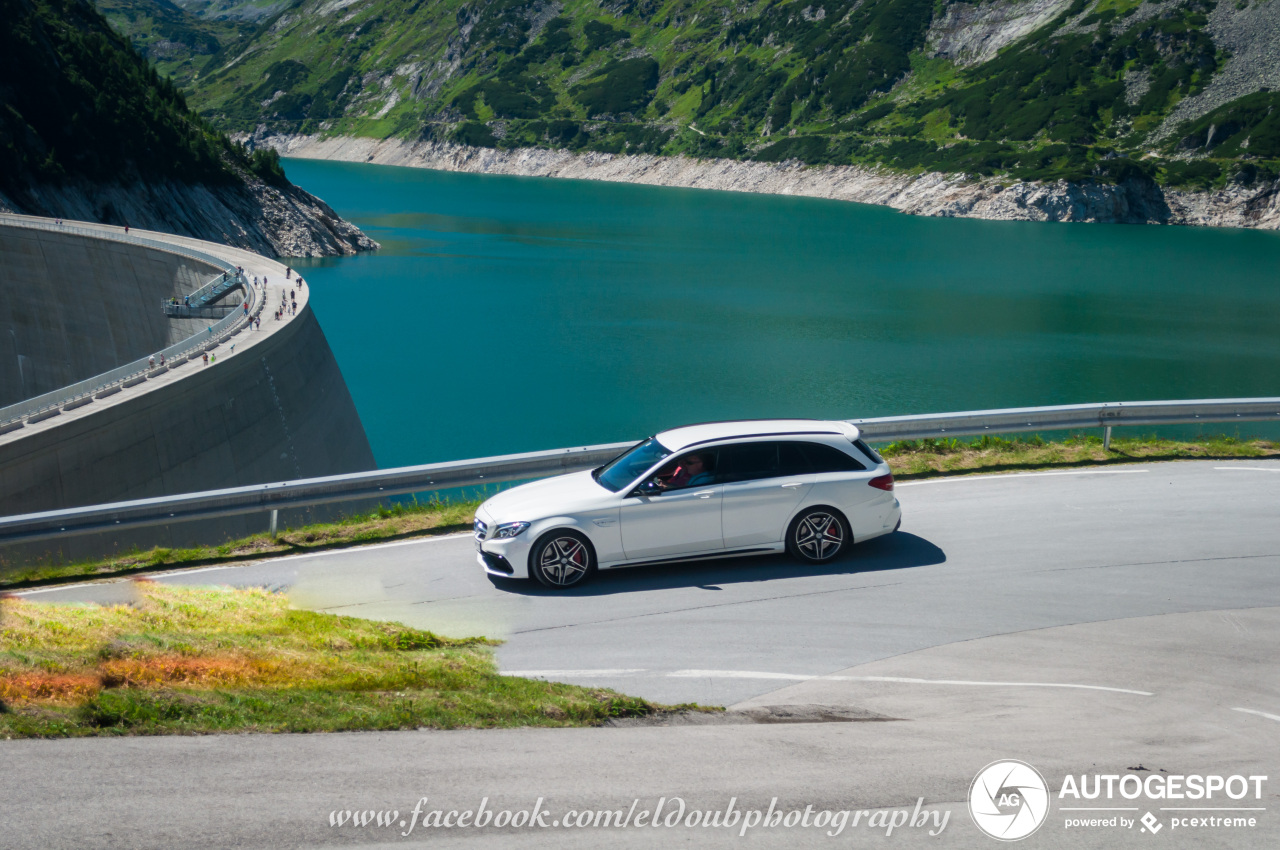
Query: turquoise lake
[[508, 314]]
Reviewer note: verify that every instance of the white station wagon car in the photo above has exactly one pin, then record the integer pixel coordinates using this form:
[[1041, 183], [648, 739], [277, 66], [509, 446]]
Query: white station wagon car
[[716, 490]]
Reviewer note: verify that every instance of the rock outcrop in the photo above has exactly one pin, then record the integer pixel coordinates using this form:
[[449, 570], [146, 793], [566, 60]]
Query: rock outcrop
[[972, 33], [931, 194], [1249, 35], [256, 216]]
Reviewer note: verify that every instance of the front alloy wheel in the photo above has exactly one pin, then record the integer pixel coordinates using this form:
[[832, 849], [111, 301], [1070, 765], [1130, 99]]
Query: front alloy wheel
[[562, 559], [818, 535]]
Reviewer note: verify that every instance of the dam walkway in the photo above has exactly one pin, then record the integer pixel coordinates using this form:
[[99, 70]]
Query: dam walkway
[[222, 338]]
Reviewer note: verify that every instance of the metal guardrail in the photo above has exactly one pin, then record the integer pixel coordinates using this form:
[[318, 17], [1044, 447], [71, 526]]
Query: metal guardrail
[[296, 494], [493, 470], [34, 223], [1067, 417], [80, 393]]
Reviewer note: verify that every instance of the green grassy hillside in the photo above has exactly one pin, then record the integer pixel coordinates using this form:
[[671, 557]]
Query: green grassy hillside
[[176, 42], [1082, 96]]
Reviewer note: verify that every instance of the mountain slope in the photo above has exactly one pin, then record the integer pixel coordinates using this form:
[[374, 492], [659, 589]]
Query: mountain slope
[[1024, 89], [88, 129]]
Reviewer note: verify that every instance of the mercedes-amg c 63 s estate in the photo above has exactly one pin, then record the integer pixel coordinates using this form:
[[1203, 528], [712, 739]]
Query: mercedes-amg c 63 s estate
[[715, 490]]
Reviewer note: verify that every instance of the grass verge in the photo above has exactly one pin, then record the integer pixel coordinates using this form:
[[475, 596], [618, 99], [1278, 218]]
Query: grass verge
[[193, 661], [399, 521], [910, 460]]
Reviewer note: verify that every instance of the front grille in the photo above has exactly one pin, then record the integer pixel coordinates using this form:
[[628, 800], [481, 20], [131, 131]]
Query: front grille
[[481, 530], [497, 563]]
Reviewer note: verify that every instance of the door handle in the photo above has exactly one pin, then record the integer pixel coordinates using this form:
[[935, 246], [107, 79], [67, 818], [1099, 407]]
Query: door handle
[[792, 486], [705, 494]]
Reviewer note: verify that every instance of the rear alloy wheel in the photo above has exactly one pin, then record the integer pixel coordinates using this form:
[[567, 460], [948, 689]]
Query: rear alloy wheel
[[562, 559], [818, 535]]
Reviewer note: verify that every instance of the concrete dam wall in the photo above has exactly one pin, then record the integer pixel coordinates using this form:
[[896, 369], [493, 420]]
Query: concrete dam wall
[[272, 406], [72, 307]]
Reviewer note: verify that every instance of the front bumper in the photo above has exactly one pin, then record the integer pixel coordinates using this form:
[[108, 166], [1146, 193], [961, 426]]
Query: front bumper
[[505, 558]]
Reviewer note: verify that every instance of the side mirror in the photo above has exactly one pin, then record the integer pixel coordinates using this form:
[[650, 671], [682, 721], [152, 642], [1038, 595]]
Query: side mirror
[[652, 487]]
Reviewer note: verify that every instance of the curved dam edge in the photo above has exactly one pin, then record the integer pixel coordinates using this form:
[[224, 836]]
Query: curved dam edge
[[284, 221], [930, 193], [48, 340], [276, 409]]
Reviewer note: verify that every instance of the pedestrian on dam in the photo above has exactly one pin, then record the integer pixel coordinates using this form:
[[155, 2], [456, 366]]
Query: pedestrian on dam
[[287, 271], [206, 358], [151, 362], [213, 358], [162, 359]]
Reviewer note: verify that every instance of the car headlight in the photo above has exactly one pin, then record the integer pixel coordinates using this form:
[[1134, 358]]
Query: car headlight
[[510, 529]]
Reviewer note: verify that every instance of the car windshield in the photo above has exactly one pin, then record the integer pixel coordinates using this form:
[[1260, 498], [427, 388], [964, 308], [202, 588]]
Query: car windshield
[[624, 469]]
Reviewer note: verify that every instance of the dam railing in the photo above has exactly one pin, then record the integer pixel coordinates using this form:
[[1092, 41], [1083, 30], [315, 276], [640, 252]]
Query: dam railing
[[33, 223], [376, 484], [80, 393]]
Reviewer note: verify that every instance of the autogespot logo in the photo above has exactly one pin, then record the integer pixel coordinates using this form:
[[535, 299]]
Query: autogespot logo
[[1008, 800]]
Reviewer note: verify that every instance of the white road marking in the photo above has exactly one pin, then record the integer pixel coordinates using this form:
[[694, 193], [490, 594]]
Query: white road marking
[[800, 677], [265, 560], [581, 674], [990, 477], [56, 587], [276, 560], [1275, 717], [1250, 468], [988, 684], [740, 674]]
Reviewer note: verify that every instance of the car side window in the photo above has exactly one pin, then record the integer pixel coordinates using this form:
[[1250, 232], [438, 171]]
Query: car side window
[[792, 460], [691, 469], [825, 458], [748, 462]]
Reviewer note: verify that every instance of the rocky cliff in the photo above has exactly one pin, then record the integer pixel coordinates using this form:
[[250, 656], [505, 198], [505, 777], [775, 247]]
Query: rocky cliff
[[1131, 201], [276, 221]]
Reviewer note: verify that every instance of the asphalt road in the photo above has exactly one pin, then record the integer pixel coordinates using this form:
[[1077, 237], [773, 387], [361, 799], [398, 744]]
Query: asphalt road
[[1110, 622], [976, 556]]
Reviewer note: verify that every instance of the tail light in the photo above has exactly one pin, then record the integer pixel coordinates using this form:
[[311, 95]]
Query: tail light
[[882, 482]]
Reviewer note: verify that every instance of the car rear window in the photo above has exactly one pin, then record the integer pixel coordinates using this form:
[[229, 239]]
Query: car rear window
[[823, 458], [868, 451]]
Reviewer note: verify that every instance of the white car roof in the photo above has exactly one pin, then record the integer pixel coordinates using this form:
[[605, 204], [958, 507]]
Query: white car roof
[[678, 439]]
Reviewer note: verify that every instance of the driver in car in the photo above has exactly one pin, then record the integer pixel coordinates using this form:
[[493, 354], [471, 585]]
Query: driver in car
[[689, 472]]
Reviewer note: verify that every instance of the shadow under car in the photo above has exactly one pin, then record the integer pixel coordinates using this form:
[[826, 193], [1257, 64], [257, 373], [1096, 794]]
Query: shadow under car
[[900, 550]]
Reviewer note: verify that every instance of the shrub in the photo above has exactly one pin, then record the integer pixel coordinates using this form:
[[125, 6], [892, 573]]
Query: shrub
[[625, 86], [602, 35], [808, 149]]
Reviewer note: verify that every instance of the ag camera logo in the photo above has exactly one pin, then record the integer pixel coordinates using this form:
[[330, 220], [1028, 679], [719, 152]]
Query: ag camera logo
[[1008, 800]]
